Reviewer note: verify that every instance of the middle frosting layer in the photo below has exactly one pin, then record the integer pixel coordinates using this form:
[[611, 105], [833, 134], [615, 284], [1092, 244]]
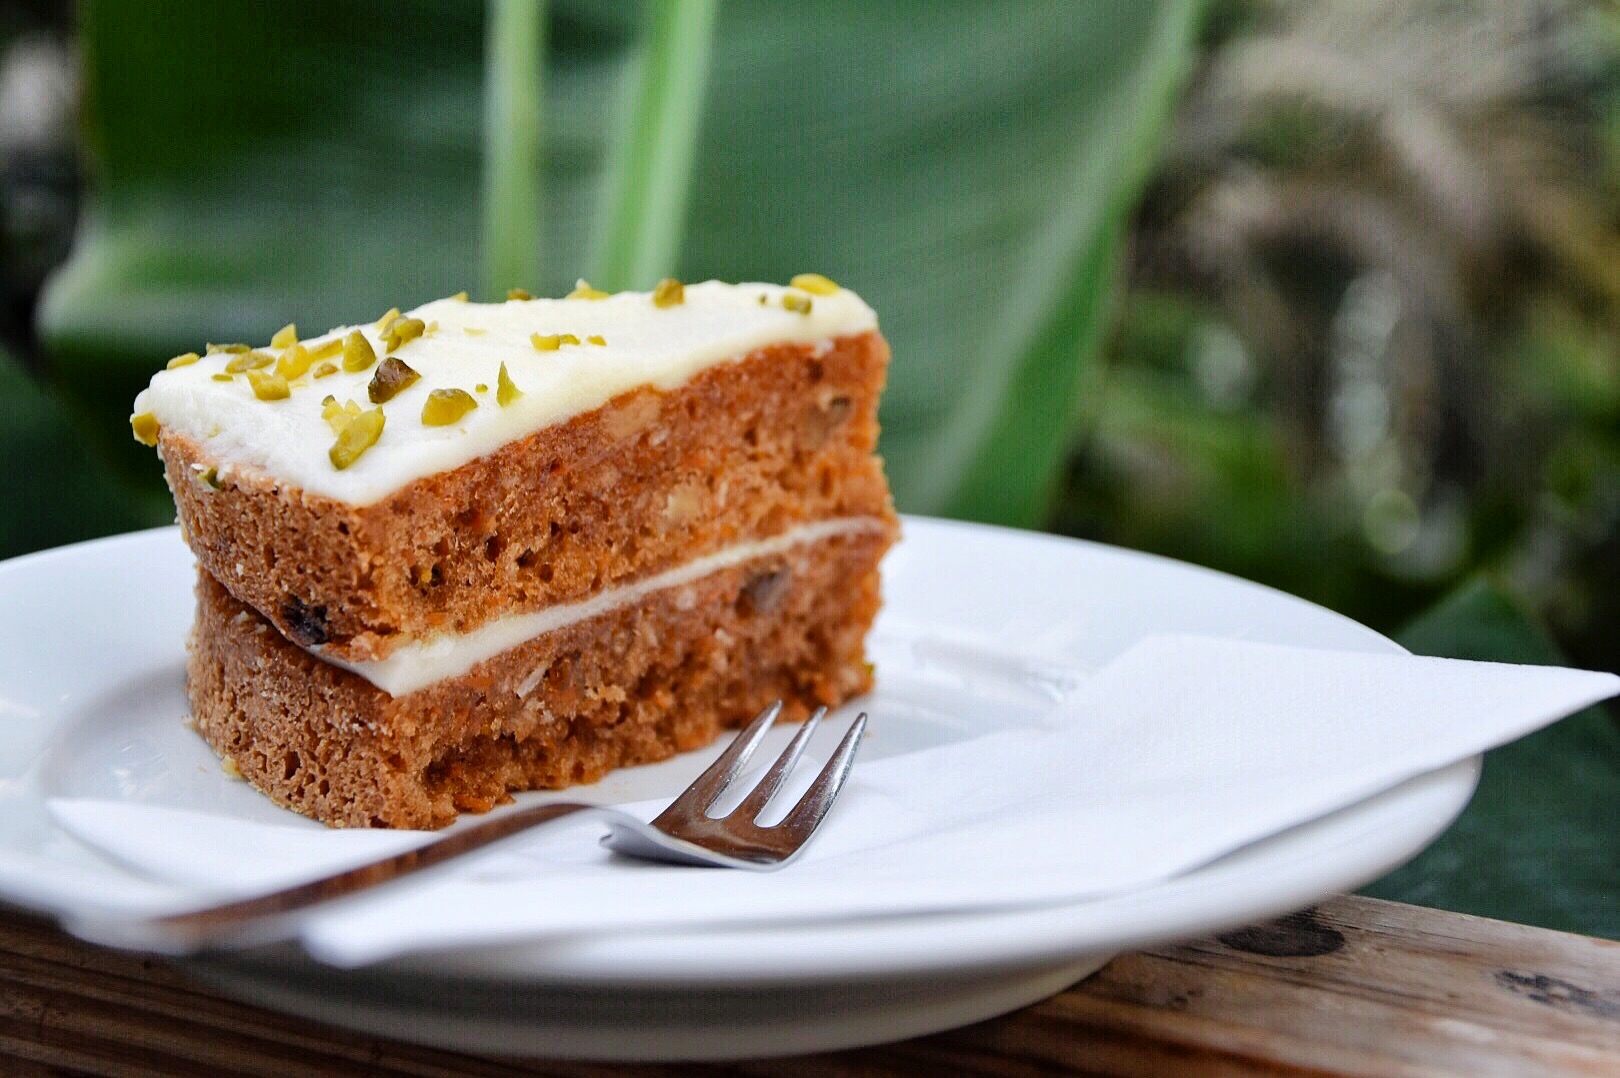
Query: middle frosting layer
[[419, 664]]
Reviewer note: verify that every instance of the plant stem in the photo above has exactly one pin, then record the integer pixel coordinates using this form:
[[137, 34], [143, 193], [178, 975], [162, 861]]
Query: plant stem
[[651, 176], [514, 70], [1006, 438]]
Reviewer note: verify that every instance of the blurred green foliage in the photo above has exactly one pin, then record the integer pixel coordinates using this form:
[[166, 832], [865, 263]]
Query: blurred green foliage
[[970, 173], [56, 490], [1369, 347]]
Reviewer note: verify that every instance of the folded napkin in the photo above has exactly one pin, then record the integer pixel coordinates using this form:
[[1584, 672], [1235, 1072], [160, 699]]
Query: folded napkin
[[1178, 751]]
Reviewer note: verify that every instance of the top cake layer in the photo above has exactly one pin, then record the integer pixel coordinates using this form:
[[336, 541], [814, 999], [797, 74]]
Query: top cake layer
[[463, 346]]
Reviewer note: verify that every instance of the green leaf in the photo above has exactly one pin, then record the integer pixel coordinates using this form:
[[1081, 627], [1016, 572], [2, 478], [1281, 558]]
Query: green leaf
[[968, 173], [1538, 844], [967, 167], [651, 175], [513, 110]]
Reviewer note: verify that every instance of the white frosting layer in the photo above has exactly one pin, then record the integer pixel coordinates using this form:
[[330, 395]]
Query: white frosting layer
[[646, 345], [417, 665]]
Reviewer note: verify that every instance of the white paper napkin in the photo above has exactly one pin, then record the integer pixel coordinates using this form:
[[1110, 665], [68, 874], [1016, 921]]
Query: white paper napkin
[[1181, 750]]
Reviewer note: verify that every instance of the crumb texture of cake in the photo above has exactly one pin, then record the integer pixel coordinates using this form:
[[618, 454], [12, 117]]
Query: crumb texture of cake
[[635, 685], [746, 449]]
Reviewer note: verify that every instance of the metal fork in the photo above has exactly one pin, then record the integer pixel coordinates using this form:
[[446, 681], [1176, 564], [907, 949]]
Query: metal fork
[[684, 833]]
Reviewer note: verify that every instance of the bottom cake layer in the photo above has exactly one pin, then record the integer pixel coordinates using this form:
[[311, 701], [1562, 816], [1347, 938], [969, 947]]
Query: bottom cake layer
[[637, 684]]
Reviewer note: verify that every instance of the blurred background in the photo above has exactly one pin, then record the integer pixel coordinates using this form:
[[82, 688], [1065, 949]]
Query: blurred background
[[1322, 293]]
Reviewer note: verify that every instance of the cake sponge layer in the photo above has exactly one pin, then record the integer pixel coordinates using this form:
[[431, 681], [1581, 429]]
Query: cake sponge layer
[[654, 478], [635, 685]]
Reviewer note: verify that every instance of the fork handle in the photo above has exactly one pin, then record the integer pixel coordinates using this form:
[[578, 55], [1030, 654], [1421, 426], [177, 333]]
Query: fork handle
[[259, 919]]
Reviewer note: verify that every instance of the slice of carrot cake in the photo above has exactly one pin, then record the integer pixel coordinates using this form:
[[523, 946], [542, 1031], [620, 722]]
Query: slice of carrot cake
[[479, 548]]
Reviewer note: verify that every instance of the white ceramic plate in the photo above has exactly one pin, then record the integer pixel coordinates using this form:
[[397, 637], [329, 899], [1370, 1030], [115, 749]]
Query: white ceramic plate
[[983, 629]]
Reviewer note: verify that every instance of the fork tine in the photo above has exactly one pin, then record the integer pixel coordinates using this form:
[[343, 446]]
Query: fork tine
[[772, 781], [708, 786], [807, 815]]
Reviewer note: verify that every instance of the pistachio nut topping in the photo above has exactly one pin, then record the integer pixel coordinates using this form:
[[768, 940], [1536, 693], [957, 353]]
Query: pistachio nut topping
[[268, 386], [248, 361], [358, 355], [393, 377], [446, 406], [814, 283], [357, 436], [145, 427], [505, 391], [583, 290], [402, 331], [669, 293], [294, 362]]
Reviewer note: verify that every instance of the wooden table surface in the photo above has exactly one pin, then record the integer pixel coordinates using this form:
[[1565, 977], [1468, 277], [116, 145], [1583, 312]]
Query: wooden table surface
[[1353, 986]]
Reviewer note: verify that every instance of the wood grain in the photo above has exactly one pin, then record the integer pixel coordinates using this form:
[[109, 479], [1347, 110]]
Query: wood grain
[[1354, 986]]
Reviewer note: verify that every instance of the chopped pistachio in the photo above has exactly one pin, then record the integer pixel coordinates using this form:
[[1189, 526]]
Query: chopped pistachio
[[402, 331], [185, 359], [212, 348], [583, 290], [357, 436], [473, 331], [145, 427], [568, 338], [480, 388], [357, 352], [795, 302], [432, 327], [268, 386], [337, 415], [207, 477], [446, 406], [460, 297], [325, 369], [294, 362], [518, 293], [285, 337], [224, 377], [816, 283], [382, 323], [326, 349], [596, 338], [392, 378], [545, 342], [763, 299], [505, 391], [669, 293], [248, 361]]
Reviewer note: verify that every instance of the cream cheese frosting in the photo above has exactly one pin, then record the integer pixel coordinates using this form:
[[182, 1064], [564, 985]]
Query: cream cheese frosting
[[466, 343], [418, 664]]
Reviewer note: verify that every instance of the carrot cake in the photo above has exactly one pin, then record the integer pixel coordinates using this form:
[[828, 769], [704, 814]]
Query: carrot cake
[[477, 548]]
